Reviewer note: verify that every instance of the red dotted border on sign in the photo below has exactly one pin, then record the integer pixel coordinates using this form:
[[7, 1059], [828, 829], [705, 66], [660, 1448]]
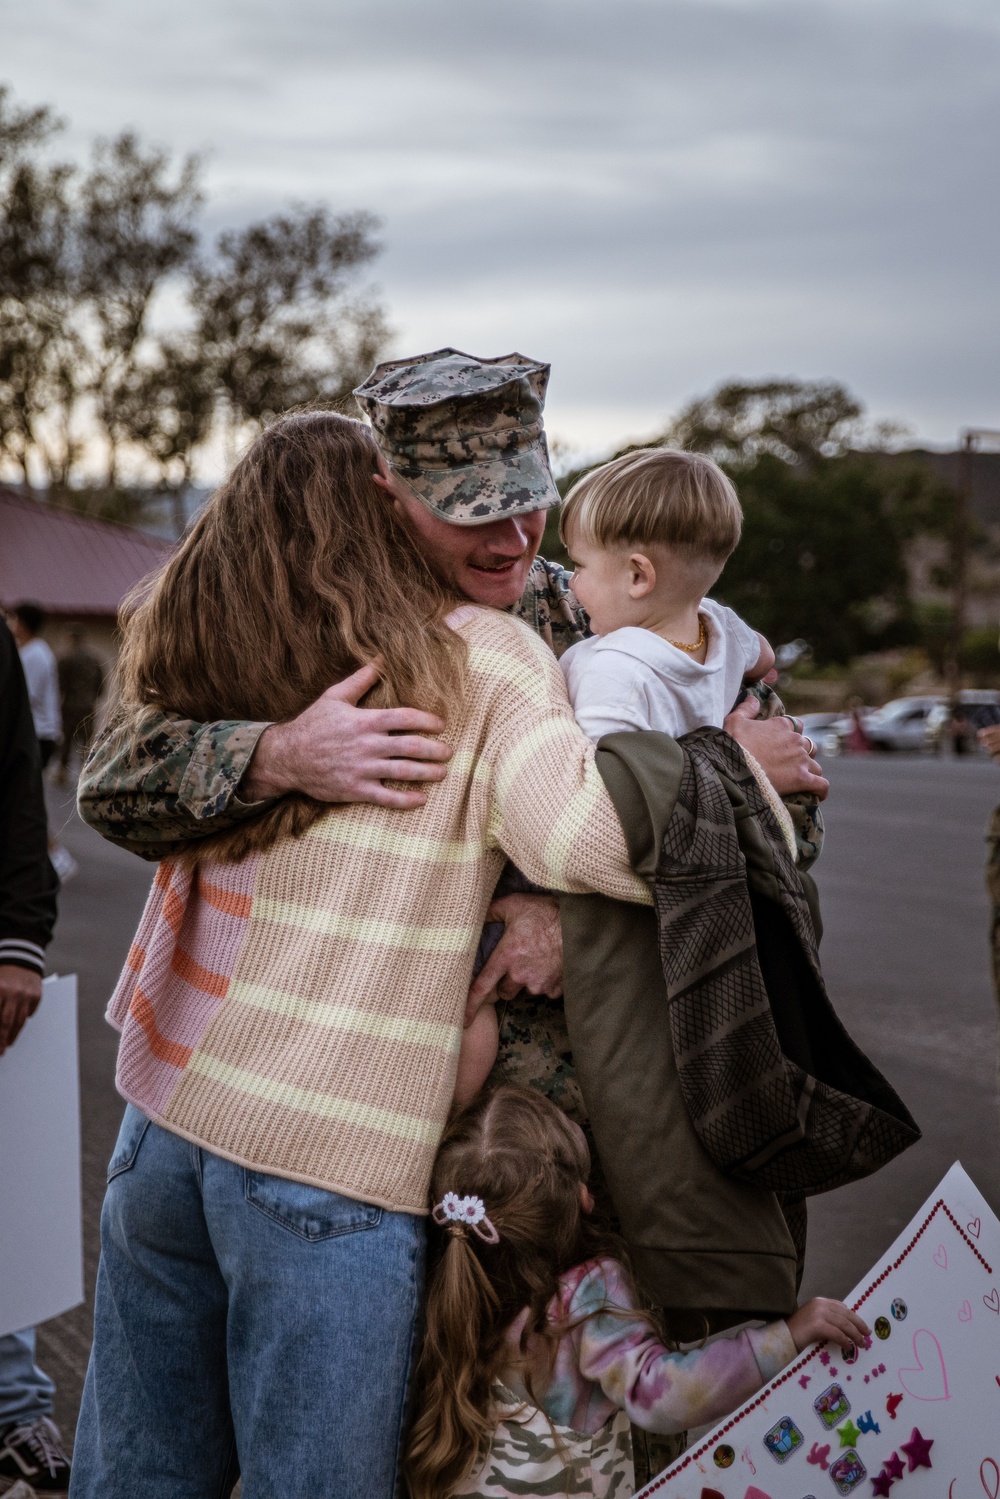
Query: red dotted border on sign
[[793, 1369]]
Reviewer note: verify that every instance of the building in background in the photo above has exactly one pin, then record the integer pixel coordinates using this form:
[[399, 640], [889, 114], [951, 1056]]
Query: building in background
[[77, 568]]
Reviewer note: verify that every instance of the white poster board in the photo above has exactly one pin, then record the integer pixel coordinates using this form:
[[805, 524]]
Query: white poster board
[[917, 1411], [41, 1247]]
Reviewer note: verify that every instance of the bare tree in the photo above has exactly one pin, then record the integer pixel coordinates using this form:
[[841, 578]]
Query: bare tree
[[36, 296], [133, 232], [267, 320], [274, 318]]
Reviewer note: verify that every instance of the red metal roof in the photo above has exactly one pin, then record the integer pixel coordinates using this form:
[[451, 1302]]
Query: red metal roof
[[68, 563]]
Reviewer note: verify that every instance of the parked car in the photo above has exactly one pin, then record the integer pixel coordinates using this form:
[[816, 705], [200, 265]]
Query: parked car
[[975, 708], [906, 723], [826, 730]]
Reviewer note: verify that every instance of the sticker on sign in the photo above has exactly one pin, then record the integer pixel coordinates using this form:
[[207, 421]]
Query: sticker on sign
[[918, 1406]]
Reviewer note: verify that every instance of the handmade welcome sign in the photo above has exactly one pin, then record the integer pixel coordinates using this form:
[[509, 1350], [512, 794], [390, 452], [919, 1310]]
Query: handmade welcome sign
[[916, 1410]]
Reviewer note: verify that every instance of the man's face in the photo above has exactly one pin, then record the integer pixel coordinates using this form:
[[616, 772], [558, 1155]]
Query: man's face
[[489, 564]]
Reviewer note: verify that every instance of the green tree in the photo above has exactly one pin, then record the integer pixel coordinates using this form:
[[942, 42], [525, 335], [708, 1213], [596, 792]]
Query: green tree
[[823, 554], [799, 421]]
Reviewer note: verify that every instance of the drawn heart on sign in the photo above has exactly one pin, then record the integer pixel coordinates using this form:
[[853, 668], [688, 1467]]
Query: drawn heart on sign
[[941, 1257], [974, 1227], [965, 1312], [755, 1493], [928, 1378], [993, 1300]]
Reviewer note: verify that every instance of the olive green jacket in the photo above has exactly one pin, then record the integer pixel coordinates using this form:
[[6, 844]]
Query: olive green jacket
[[699, 1240]]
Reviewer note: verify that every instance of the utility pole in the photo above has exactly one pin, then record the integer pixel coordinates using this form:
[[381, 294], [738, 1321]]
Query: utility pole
[[971, 437]]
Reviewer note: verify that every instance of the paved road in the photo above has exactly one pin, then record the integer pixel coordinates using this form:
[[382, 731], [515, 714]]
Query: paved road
[[99, 910], [905, 957], [906, 961]]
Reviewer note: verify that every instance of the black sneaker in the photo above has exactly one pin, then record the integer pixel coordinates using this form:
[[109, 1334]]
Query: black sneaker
[[33, 1452]]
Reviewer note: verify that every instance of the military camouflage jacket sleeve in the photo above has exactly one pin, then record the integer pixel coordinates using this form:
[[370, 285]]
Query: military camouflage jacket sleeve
[[549, 606], [154, 782]]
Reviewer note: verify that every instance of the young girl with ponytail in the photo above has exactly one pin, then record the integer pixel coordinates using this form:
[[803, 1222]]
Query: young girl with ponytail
[[537, 1354]]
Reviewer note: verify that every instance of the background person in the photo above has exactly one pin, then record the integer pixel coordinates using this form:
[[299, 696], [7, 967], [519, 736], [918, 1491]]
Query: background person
[[41, 674], [990, 737], [30, 1445], [81, 682], [42, 677]]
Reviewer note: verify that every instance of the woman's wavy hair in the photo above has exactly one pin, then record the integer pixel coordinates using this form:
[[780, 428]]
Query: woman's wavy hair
[[518, 1153], [297, 572]]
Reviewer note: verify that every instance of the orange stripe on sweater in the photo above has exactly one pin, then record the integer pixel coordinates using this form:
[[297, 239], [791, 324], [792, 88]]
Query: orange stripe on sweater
[[230, 902], [173, 911], [164, 1050], [136, 958], [164, 874], [192, 973]]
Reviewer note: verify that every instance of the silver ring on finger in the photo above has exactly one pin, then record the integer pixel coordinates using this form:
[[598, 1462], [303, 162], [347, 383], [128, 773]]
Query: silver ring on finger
[[796, 723], [810, 747]]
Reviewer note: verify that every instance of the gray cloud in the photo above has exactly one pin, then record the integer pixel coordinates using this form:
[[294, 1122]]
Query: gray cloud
[[654, 194]]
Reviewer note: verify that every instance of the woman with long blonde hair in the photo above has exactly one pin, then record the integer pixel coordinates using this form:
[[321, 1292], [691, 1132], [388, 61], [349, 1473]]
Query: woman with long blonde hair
[[291, 1008], [538, 1352]]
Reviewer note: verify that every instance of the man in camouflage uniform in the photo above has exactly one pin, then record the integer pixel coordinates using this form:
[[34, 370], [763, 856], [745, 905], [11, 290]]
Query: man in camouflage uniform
[[466, 466]]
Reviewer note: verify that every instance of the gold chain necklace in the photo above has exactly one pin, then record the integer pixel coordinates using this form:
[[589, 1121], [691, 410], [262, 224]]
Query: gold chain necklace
[[702, 637]]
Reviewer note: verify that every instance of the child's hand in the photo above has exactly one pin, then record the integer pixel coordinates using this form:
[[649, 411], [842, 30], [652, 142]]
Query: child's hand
[[763, 668], [824, 1321]]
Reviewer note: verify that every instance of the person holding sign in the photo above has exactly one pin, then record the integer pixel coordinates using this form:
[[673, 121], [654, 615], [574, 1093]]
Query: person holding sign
[[30, 1444], [537, 1351]]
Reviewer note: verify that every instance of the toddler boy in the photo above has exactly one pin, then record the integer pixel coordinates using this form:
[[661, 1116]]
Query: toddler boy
[[649, 535]]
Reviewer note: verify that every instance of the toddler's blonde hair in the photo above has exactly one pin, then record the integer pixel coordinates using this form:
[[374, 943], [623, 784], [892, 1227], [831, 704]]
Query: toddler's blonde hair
[[655, 495]]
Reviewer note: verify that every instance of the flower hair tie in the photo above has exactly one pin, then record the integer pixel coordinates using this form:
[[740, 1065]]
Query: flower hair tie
[[457, 1214]]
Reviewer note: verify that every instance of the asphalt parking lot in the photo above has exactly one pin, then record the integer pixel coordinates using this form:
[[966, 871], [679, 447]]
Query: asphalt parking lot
[[906, 958]]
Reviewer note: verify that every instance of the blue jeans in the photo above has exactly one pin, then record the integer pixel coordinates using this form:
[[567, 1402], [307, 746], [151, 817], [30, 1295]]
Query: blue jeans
[[25, 1392], [243, 1322]]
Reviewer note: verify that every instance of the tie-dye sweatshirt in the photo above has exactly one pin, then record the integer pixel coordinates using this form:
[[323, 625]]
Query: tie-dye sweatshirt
[[607, 1362]]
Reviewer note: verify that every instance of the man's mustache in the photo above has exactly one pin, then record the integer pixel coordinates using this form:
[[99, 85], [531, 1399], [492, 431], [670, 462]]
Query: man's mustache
[[491, 563]]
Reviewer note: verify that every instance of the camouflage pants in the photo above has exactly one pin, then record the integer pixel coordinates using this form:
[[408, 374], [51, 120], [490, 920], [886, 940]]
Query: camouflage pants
[[535, 1053]]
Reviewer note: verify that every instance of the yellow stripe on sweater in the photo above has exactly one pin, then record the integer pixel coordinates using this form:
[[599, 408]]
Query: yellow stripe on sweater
[[348, 832], [526, 748], [572, 821], [347, 1017], [513, 672], [375, 930], [322, 1105]]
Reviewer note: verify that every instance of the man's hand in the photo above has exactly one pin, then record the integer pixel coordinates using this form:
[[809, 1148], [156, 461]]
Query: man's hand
[[20, 992], [337, 752], [991, 738], [782, 754], [528, 955]]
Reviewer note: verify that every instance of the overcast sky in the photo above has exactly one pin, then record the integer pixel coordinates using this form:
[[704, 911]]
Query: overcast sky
[[652, 195]]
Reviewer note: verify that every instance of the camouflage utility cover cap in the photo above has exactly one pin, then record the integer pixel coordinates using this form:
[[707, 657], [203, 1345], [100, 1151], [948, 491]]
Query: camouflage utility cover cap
[[464, 433]]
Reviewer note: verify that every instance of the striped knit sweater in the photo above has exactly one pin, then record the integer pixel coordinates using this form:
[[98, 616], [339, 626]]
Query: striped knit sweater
[[301, 1012]]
